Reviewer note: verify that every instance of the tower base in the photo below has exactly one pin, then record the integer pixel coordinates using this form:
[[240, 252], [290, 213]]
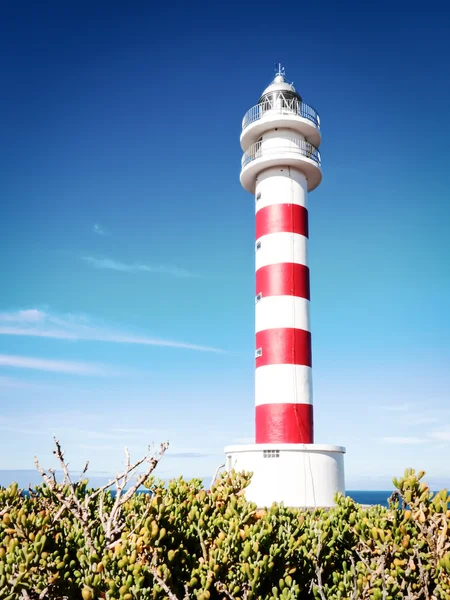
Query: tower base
[[299, 475]]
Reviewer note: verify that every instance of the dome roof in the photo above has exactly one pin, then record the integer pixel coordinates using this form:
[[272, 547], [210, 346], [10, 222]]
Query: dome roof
[[279, 84]]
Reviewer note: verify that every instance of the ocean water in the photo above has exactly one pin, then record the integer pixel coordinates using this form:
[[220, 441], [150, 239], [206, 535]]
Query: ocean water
[[370, 497]]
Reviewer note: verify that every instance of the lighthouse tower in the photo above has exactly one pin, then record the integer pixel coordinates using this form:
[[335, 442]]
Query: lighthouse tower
[[281, 164]]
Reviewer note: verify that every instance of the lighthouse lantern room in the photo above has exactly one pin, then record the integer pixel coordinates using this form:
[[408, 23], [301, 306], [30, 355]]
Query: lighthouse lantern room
[[281, 163]]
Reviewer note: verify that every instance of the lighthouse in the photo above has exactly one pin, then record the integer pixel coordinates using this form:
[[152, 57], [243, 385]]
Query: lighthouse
[[281, 164]]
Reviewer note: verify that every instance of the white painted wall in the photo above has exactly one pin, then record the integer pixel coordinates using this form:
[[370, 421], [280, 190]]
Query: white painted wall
[[282, 311], [281, 138], [302, 475], [283, 185], [281, 247], [283, 384]]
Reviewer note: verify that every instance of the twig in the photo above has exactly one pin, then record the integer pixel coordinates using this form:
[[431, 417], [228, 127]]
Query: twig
[[72, 503], [86, 466], [141, 520], [43, 594], [202, 543], [222, 589], [119, 477], [355, 593], [442, 537], [318, 569], [423, 575], [112, 524], [159, 580], [5, 510]]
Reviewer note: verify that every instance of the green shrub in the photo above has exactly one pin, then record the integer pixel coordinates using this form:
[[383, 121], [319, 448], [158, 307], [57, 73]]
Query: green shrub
[[182, 541]]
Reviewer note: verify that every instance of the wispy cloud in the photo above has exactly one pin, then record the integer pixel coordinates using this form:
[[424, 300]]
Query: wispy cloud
[[22, 316], [404, 441], [36, 323], [405, 407], [189, 452], [55, 366], [115, 265], [98, 229], [135, 431], [442, 436], [13, 383]]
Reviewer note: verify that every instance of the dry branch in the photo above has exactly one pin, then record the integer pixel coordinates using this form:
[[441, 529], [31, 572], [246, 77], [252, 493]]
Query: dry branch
[[111, 523]]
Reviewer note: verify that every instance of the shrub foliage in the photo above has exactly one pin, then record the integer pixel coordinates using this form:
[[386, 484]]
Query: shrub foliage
[[182, 541]]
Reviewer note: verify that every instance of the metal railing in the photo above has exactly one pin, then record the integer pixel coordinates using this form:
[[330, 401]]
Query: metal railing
[[295, 107], [297, 146]]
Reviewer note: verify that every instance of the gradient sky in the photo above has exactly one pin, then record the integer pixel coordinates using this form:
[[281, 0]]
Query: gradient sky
[[127, 242]]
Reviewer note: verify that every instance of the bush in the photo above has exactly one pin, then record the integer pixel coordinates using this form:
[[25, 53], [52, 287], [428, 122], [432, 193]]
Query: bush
[[181, 541]]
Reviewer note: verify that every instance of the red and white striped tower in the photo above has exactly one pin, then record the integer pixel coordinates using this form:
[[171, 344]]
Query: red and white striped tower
[[281, 164]]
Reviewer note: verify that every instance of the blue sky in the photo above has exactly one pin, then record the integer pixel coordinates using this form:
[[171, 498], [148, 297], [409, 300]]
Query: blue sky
[[127, 243]]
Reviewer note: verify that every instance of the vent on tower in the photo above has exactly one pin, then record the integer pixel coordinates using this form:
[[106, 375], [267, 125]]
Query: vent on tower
[[258, 245], [271, 454], [258, 353], [258, 297]]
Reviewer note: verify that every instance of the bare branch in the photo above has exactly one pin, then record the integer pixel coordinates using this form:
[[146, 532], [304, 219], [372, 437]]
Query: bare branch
[[318, 569], [222, 589], [43, 594], [355, 593], [70, 503], [111, 523], [159, 580], [133, 467], [202, 543], [85, 468]]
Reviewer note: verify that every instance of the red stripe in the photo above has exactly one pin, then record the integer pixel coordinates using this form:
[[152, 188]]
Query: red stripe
[[284, 346], [284, 424], [283, 279], [277, 218]]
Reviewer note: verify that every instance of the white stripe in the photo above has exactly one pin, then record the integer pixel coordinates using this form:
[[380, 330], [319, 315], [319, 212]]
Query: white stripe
[[280, 188], [278, 384], [283, 247], [282, 311]]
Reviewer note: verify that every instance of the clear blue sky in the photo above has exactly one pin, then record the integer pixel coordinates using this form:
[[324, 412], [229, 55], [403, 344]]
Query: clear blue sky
[[123, 223]]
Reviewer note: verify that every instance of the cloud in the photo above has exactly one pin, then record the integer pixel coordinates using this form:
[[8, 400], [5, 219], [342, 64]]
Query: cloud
[[404, 441], [98, 229], [442, 436], [35, 323], [115, 265], [28, 316], [10, 382], [136, 431], [55, 366], [190, 455], [406, 407]]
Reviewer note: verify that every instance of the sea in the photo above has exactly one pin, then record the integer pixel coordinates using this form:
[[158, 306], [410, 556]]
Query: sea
[[370, 497]]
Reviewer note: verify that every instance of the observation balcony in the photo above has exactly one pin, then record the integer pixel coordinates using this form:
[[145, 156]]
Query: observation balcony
[[281, 112], [281, 152]]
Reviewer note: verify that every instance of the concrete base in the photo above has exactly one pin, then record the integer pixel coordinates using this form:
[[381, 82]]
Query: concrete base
[[299, 475]]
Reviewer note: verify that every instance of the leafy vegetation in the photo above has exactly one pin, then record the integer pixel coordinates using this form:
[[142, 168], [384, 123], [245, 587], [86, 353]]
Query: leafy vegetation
[[65, 540]]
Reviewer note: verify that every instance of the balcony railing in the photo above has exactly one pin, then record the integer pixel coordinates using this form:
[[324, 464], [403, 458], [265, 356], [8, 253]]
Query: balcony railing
[[292, 146], [295, 107]]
